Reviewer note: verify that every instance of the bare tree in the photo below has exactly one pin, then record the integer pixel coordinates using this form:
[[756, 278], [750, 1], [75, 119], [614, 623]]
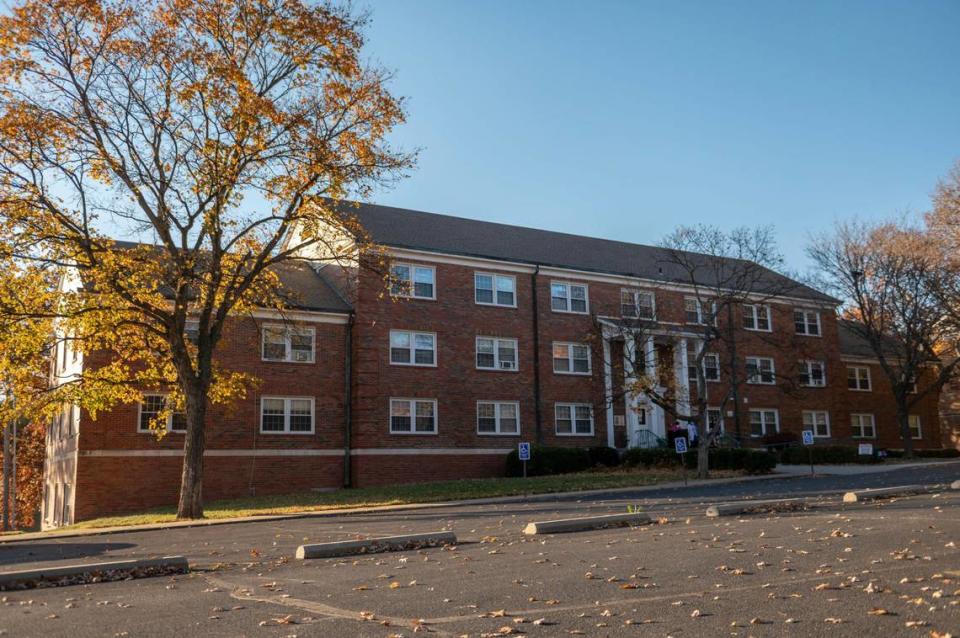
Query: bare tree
[[893, 281], [721, 273]]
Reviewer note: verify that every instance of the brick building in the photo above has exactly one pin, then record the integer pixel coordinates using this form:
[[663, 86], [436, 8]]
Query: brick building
[[501, 334]]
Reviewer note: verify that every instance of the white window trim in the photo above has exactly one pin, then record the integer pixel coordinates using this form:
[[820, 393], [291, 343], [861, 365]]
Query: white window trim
[[412, 281], [869, 387], [494, 276], [573, 416], [288, 330], [712, 355], [825, 413], [140, 429], [760, 381], [568, 284], [766, 431], [701, 320], [636, 303], [496, 354], [805, 312], [806, 363], [873, 425], [412, 349], [919, 426], [753, 311], [413, 416], [569, 345], [496, 408], [287, 413], [714, 408]]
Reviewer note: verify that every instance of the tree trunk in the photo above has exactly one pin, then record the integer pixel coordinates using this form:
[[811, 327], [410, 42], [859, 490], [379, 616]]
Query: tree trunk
[[903, 418], [191, 481], [703, 457]]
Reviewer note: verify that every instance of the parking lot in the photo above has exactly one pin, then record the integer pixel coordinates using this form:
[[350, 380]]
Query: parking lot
[[890, 567]]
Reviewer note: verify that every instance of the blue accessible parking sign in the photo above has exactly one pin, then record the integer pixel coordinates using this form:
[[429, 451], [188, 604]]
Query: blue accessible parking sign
[[680, 444], [807, 437], [524, 451]]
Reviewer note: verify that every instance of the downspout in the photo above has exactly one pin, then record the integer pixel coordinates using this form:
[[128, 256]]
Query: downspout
[[536, 360], [348, 402]]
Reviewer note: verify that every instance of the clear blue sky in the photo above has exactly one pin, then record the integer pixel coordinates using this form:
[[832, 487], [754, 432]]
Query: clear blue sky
[[625, 119]]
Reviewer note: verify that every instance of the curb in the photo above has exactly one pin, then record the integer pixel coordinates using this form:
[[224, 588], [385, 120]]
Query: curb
[[883, 492], [93, 572], [560, 526], [347, 511], [746, 507], [376, 545]]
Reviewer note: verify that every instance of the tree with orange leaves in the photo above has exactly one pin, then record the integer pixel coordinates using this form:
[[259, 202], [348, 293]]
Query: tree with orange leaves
[[206, 128]]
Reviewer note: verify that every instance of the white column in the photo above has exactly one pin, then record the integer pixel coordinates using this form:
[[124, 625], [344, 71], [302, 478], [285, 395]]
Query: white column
[[629, 378], [682, 378], [608, 389]]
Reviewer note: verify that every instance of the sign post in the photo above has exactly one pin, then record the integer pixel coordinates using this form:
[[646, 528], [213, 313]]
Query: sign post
[[524, 453], [808, 442], [680, 445]]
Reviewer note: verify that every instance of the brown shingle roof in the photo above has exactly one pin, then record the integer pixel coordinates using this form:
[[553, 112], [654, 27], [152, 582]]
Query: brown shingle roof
[[417, 230]]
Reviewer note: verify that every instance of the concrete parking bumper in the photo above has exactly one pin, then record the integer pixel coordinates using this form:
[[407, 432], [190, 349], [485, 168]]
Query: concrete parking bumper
[[92, 572], [376, 545], [747, 507], [586, 523], [883, 492]]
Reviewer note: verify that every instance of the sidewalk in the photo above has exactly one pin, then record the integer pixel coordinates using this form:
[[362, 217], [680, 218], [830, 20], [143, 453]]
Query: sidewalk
[[856, 469]]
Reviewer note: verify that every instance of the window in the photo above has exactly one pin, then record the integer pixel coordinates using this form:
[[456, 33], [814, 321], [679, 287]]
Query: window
[[863, 426], [566, 297], [286, 415], [191, 331], [807, 322], [914, 423], [756, 317], [288, 343], [407, 280], [151, 406], [813, 374], [714, 419], [574, 419], [413, 416], [496, 354], [694, 311], [498, 417], [818, 421], [571, 358], [858, 378], [495, 290], [760, 370], [711, 367], [413, 348], [635, 303], [70, 414], [763, 422]]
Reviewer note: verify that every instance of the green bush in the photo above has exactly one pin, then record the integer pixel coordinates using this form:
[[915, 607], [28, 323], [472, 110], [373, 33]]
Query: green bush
[[605, 456], [651, 457], [825, 455], [752, 461], [550, 460], [943, 453]]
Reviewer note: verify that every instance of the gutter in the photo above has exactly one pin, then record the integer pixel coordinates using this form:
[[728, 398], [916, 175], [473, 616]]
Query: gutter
[[538, 421], [348, 402]]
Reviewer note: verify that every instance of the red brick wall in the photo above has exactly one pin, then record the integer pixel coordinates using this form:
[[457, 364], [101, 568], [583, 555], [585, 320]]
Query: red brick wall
[[404, 468]]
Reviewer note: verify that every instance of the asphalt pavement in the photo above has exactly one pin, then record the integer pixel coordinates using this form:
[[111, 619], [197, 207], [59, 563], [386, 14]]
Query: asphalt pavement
[[857, 570]]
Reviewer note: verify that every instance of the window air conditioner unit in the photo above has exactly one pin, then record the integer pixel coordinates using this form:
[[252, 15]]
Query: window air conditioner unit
[[301, 356], [506, 365]]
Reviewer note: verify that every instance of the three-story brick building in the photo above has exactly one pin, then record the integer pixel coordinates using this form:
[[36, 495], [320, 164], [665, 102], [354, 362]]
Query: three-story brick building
[[490, 335]]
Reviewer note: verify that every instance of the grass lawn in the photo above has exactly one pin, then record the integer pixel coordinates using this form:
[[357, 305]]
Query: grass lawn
[[403, 494]]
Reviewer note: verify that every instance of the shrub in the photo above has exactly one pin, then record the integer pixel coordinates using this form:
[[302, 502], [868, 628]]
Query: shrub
[[549, 460], [651, 457], [942, 453], [605, 456], [779, 439], [824, 455], [752, 461]]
